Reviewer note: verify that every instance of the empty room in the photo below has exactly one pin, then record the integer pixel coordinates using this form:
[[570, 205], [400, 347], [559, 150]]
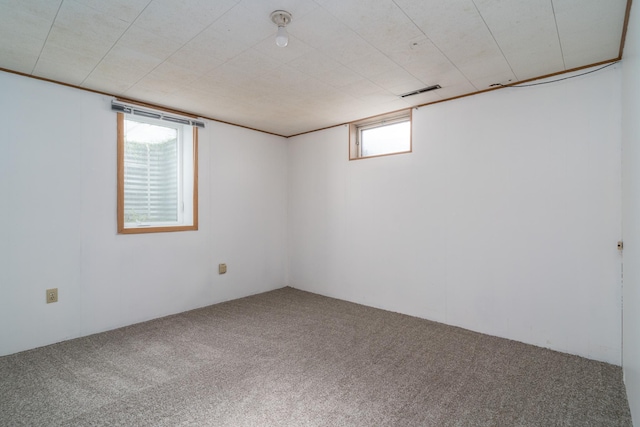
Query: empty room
[[319, 213]]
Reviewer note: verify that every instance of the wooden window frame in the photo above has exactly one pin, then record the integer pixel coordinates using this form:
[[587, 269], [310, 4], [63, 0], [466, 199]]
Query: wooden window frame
[[120, 203]]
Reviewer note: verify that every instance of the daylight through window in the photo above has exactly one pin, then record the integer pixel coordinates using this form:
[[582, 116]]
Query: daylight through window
[[379, 136], [157, 175]]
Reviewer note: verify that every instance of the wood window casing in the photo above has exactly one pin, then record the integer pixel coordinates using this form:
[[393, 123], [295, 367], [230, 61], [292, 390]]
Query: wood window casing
[[355, 148], [122, 229]]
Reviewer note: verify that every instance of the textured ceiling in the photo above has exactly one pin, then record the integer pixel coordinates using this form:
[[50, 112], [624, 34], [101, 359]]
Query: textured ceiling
[[346, 59]]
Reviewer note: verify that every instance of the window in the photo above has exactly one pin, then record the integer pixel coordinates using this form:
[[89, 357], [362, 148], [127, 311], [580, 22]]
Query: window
[[380, 136], [157, 174]]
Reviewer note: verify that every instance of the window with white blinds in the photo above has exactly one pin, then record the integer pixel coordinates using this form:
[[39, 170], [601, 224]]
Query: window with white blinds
[[157, 181]]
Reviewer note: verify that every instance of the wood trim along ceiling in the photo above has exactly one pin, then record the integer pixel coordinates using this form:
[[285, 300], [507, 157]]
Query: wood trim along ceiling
[[194, 115], [546, 76], [627, 14]]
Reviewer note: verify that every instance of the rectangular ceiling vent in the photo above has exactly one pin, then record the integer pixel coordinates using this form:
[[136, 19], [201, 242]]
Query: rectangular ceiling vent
[[419, 91]]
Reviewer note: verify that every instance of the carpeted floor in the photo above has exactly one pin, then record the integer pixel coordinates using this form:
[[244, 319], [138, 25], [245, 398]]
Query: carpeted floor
[[292, 358]]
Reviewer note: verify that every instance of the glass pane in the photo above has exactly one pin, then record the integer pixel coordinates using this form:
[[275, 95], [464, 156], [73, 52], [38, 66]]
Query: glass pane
[[150, 173], [394, 138]]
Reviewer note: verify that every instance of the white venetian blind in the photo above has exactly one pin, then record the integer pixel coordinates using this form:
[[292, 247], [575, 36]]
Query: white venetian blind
[[151, 176]]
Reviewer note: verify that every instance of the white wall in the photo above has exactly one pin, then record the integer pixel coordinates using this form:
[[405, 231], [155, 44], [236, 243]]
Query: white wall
[[631, 211], [58, 213], [503, 220]]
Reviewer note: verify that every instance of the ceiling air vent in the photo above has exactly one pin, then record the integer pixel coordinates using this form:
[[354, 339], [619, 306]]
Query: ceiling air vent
[[423, 90]]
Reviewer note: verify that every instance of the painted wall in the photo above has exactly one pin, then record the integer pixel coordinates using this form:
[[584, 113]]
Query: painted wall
[[503, 220], [631, 212], [58, 214]]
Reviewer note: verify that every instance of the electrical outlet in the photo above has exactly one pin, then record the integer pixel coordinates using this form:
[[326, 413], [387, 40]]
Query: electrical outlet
[[52, 295], [222, 268]]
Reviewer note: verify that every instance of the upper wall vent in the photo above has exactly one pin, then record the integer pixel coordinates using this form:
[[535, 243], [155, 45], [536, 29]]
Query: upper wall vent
[[419, 91]]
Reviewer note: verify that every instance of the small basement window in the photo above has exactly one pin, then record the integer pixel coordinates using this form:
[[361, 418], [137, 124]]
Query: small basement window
[[380, 135], [157, 174]]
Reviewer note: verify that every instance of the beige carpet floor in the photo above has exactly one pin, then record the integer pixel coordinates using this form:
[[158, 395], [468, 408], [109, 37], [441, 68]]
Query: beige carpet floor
[[292, 358]]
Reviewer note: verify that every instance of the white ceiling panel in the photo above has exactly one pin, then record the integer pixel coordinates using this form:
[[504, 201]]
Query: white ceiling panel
[[397, 81], [182, 20], [28, 19], [346, 59], [103, 82], [244, 26], [146, 43], [373, 64], [402, 49], [448, 24], [125, 10], [382, 24], [322, 31], [318, 92], [20, 56], [79, 38], [207, 50], [150, 72], [135, 55], [254, 63], [380, 97], [24, 32], [530, 23], [160, 83], [444, 76], [313, 62], [359, 14], [60, 65], [220, 81], [593, 43], [92, 45], [361, 88], [477, 67], [76, 21], [326, 70], [263, 8]]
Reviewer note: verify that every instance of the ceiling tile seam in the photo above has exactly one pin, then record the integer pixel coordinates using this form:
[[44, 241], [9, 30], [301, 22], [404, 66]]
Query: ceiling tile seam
[[346, 64], [183, 45], [495, 41], [434, 44], [381, 52], [114, 44], [390, 59], [44, 43], [555, 20]]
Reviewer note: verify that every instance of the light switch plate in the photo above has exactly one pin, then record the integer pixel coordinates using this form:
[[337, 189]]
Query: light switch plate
[[222, 268]]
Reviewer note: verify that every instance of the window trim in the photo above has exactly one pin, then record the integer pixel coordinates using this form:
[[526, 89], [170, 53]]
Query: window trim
[[120, 202], [355, 129]]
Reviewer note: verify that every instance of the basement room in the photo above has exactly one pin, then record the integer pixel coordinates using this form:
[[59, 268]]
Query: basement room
[[320, 213]]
